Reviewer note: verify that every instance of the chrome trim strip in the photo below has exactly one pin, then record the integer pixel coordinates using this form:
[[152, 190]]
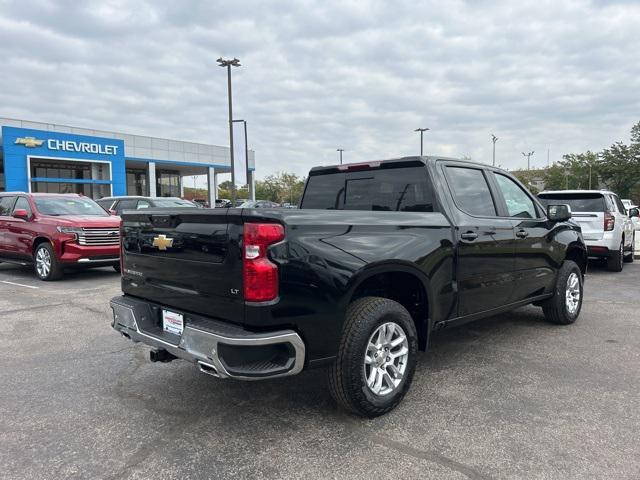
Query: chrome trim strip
[[98, 260]]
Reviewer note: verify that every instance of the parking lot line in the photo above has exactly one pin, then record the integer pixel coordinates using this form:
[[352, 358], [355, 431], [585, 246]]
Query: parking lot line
[[18, 284]]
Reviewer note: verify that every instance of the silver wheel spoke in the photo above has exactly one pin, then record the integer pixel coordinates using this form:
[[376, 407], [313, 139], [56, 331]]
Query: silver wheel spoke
[[386, 358]]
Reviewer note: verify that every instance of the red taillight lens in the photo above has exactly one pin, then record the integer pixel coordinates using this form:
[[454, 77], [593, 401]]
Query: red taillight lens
[[260, 275], [609, 222]]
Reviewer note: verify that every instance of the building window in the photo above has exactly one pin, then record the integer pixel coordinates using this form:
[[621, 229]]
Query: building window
[[137, 182], [168, 183], [93, 190]]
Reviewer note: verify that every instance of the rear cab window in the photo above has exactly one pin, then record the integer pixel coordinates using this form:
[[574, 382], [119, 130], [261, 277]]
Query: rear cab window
[[579, 202], [399, 189]]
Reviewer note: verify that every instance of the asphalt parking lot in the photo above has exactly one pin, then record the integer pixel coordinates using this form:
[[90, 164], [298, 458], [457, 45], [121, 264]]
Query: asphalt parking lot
[[508, 397]]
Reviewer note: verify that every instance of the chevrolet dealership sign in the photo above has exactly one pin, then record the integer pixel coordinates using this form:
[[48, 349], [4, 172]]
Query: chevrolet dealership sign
[[81, 147], [69, 145]]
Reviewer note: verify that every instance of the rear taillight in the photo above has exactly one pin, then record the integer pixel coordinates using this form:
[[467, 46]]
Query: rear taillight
[[609, 222], [260, 275]]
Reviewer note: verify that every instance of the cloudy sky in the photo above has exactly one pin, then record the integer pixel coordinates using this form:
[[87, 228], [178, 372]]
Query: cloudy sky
[[562, 76]]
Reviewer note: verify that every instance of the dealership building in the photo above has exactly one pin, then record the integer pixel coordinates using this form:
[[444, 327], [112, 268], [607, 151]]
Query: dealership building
[[52, 158]]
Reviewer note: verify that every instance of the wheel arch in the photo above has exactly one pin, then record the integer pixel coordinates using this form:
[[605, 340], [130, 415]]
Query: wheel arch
[[402, 282], [577, 253]]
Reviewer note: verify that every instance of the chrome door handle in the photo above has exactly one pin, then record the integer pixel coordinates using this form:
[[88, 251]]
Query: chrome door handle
[[522, 234], [469, 236]]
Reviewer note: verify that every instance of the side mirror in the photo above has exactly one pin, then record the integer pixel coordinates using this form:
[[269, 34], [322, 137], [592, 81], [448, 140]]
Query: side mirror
[[112, 212], [21, 213], [634, 213], [559, 213]]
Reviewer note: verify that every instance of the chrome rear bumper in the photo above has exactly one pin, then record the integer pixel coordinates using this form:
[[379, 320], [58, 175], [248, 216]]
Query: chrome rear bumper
[[229, 352]]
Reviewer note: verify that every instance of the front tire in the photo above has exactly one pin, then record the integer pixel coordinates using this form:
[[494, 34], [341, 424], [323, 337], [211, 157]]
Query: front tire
[[565, 305], [376, 358], [615, 260], [46, 264]]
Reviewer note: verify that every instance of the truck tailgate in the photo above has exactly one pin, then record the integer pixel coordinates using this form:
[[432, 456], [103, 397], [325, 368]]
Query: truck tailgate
[[189, 260]]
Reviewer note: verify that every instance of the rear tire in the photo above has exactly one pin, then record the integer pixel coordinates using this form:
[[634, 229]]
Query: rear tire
[[376, 358], [565, 305], [46, 263], [629, 257], [615, 260]]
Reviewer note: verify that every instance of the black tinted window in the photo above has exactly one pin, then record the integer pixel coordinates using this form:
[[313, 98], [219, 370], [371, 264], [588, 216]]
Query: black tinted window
[[471, 191], [579, 202], [127, 204], [6, 205], [390, 190]]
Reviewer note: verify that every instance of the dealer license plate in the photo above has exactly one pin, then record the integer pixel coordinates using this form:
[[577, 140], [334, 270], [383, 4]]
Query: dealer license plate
[[172, 322]]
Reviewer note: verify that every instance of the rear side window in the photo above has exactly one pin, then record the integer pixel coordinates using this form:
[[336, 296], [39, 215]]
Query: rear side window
[[6, 205], [386, 190], [579, 202], [619, 204], [471, 191]]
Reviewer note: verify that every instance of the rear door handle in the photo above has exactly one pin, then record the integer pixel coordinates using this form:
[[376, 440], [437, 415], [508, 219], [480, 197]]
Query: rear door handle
[[469, 236], [522, 234]]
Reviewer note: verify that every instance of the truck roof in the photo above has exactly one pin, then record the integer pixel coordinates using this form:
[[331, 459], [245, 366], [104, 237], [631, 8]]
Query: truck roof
[[409, 161], [560, 192]]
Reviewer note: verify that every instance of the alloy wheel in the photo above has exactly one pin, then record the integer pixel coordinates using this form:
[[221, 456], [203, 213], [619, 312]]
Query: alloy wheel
[[43, 262], [385, 359], [573, 293]]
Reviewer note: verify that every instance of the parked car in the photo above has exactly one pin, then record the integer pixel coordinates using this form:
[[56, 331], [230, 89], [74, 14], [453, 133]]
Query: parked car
[[223, 203], [56, 231], [634, 214], [259, 204], [606, 227], [116, 205], [627, 203], [289, 205], [201, 202], [378, 257], [240, 201]]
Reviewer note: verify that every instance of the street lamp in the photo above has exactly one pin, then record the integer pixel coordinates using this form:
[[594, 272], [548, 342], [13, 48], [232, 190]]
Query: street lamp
[[340, 150], [494, 139], [230, 63], [421, 130], [528, 155]]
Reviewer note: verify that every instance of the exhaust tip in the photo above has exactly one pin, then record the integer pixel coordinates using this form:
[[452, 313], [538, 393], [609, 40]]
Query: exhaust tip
[[208, 369]]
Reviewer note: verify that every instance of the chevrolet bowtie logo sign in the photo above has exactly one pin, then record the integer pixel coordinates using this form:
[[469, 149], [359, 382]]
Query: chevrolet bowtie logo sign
[[30, 142], [162, 242]]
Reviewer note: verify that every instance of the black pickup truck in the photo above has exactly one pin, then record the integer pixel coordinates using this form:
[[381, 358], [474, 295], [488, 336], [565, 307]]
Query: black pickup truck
[[378, 257]]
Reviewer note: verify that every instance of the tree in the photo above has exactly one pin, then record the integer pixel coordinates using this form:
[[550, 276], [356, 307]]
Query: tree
[[281, 187]]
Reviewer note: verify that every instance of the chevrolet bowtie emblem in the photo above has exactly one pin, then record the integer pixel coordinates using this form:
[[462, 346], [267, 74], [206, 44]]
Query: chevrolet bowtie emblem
[[162, 242], [29, 142]]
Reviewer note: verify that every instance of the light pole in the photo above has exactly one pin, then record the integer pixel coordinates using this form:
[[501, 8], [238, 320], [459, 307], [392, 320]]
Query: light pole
[[528, 155], [230, 63], [421, 130], [340, 150], [494, 139]]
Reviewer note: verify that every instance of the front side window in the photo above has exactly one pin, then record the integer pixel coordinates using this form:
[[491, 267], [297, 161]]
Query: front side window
[[518, 202], [22, 204], [471, 191], [57, 206]]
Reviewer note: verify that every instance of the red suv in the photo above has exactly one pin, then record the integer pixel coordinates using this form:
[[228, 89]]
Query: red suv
[[55, 231]]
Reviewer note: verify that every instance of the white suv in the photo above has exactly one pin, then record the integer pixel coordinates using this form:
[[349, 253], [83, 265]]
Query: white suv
[[606, 227]]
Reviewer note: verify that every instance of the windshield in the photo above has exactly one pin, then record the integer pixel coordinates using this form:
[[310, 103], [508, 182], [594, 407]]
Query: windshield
[[172, 203], [69, 206], [579, 202]]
